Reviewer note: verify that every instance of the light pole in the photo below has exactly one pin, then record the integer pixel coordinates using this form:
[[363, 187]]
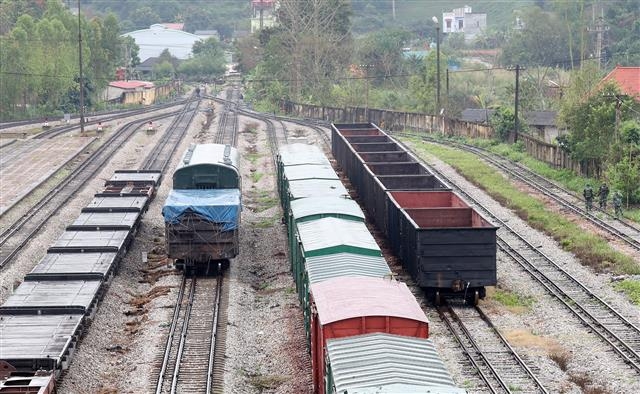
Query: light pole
[[81, 76], [435, 20]]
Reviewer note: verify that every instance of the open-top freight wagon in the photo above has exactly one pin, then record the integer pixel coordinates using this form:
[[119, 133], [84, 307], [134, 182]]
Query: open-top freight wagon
[[446, 246]]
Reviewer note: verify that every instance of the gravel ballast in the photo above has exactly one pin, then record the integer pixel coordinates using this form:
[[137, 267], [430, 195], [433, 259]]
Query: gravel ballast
[[266, 353]]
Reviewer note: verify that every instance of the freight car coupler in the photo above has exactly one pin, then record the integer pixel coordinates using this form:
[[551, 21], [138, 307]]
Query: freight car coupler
[[458, 285]]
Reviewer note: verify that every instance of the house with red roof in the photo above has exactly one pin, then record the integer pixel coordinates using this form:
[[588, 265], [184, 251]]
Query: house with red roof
[[627, 79], [131, 92]]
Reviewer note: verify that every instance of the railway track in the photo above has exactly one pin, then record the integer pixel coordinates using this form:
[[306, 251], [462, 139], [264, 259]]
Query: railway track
[[104, 117], [160, 155], [497, 364], [16, 236], [228, 123], [624, 231], [192, 361], [603, 320]]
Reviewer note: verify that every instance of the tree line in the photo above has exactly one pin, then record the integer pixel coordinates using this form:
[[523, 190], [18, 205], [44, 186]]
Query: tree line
[[313, 57], [40, 60]]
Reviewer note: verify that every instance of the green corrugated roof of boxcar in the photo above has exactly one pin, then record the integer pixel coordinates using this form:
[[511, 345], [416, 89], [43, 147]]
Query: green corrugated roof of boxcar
[[334, 235]]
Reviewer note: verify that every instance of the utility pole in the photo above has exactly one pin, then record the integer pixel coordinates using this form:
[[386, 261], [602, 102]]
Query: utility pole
[[515, 138], [366, 68], [435, 19], [81, 77], [599, 28], [446, 98]]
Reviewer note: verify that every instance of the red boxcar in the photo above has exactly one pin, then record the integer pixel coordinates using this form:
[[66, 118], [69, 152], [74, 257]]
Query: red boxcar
[[348, 306]]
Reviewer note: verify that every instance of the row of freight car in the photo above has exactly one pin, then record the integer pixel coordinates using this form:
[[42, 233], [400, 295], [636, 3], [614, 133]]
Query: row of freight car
[[45, 315], [365, 331], [446, 246]]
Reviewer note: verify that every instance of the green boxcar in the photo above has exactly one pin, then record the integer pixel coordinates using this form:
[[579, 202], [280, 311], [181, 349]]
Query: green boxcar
[[304, 172], [385, 363], [295, 155], [306, 188], [208, 166], [312, 208], [330, 236]]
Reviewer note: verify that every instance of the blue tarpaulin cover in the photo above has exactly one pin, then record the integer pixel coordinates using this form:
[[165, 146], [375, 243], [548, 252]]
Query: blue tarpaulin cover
[[215, 205]]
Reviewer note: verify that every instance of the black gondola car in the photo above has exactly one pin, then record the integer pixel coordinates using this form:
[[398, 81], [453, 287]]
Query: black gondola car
[[445, 245]]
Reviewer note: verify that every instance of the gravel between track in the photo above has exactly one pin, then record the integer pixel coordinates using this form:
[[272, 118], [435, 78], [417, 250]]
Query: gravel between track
[[546, 329], [265, 340]]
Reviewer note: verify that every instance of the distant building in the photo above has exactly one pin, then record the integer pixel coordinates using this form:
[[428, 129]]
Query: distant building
[[173, 26], [145, 69], [463, 20], [627, 79], [541, 124], [204, 34], [158, 37], [263, 14], [116, 89]]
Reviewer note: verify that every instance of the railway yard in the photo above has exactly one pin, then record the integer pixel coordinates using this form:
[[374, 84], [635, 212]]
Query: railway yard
[[573, 334]]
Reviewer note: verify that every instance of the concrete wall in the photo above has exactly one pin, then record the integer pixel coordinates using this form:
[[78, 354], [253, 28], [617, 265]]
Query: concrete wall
[[399, 121]]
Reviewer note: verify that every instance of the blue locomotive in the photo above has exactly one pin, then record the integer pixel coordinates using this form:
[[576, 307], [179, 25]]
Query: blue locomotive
[[202, 211]]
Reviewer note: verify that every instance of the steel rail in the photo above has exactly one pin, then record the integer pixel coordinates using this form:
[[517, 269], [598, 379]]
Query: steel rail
[[214, 333], [474, 362], [171, 336], [630, 353], [519, 377], [547, 187], [183, 336], [55, 199], [163, 151]]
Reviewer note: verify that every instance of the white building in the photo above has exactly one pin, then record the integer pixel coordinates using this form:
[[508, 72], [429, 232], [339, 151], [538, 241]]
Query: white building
[[263, 14], [463, 20], [158, 37]]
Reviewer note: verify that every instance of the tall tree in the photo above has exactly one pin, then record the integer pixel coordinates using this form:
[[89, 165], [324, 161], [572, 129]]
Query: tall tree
[[208, 60], [381, 52], [315, 34], [537, 42]]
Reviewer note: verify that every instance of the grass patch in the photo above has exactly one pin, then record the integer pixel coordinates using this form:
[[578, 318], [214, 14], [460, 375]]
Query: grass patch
[[251, 128], [256, 176], [253, 157], [265, 222], [561, 357], [631, 288], [586, 384], [267, 382], [529, 340], [589, 248], [513, 301], [265, 200]]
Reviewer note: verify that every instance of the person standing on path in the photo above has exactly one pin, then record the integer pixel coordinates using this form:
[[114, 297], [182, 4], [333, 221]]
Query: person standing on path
[[617, 204], [587, 193], [603, 193]]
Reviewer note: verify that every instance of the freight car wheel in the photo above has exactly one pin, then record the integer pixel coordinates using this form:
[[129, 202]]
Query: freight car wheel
[[437, 299], [473, 298]]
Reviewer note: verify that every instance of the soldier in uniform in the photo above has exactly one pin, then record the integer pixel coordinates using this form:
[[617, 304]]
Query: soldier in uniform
[[617, 203], [587, 193], [603, 194]]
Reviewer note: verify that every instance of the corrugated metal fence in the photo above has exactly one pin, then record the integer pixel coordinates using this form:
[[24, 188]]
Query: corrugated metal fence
[[397, 121]]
